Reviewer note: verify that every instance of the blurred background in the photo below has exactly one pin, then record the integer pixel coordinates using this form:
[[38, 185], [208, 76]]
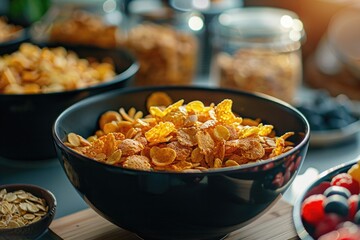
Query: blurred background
[[316, 15], [292, 50], [306, 53]]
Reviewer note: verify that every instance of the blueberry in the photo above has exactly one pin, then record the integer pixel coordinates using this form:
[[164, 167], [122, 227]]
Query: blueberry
[[336, 123], [357, 217], [337, 204], [333, 190], [324, 112]]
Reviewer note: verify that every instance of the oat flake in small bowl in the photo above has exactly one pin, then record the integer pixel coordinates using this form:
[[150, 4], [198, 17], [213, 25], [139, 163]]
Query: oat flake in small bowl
[[25, 210]]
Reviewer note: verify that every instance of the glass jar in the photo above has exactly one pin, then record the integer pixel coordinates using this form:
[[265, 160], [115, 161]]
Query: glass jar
[[258, 49], [82, 22], [209, 9], [164, 42]]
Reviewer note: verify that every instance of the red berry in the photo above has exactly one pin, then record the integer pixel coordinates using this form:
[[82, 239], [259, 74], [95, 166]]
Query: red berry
[[345, 180], [353, 206], [327, 224], [319, 189], [329, 236], [312, 210], [348, 231]]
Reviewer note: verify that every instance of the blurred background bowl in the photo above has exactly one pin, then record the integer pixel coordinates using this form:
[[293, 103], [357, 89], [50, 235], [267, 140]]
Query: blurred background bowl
[[164, 205], [13, 44], [33, 230], [27, 119], [15, 39]]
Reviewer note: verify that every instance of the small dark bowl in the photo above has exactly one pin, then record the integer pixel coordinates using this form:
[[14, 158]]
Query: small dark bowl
[[304, 231], [33, 230], [168, 205], [26, 119], [12, 45]]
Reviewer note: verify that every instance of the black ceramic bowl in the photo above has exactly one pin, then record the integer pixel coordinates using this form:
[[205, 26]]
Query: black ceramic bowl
[[33, 230], [13, 44], [26, 119], [304, 231], [164, 205]]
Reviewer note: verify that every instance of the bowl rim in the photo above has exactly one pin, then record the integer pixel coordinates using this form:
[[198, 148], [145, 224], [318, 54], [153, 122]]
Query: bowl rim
[[25, 187], [296, 212], [130, 90], [119, 77], [23, 36]]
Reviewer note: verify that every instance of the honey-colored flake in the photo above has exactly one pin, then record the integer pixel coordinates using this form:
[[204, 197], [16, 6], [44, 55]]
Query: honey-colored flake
[[217, 163], [110, 127], [35, 70], [186, 136], [130, 147], [195, 107], [137, 162], [197, 156], [221, 132], [224, 112], [74, 139], [205, 142], [162, 156], [158, 99], [180, 166], [108, 117], [182, 152], [115, 157], [179, 137], [231, 163], [160, 132]]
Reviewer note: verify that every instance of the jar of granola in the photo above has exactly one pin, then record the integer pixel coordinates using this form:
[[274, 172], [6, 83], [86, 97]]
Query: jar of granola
[[164, 42], [97, 23], [258, 49]]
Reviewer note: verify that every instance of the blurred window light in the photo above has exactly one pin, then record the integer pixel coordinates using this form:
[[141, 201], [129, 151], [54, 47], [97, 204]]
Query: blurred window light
[[201, 4], [294, 35], [195, 23], [286, 21], [298, 25], [109, 6]]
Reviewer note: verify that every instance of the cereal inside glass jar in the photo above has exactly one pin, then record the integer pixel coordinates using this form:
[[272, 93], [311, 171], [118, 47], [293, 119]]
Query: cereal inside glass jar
[[162, 42], [258, 50]]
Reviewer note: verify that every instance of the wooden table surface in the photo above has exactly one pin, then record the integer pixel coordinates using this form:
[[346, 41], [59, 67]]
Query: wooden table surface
[[275, 224]]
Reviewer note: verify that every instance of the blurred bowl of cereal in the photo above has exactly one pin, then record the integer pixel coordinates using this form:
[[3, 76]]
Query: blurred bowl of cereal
[[26, 211], [11, 35], [38, 83], [181, 162]]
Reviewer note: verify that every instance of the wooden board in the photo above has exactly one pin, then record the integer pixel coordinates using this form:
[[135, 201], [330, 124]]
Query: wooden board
[[276, 224]]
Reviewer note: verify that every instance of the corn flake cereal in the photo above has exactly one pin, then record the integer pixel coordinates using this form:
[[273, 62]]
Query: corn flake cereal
[[180, 137], [8, 31], [34, 70]]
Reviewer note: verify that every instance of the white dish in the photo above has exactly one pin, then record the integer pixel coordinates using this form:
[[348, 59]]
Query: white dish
[[334, 136]]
